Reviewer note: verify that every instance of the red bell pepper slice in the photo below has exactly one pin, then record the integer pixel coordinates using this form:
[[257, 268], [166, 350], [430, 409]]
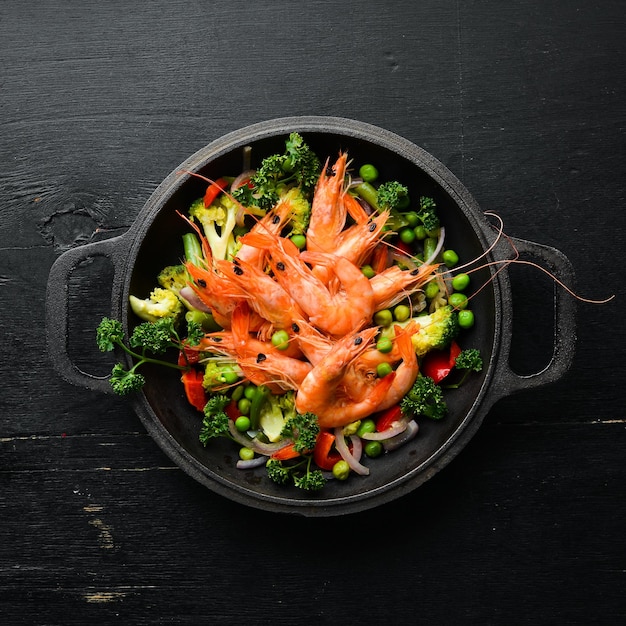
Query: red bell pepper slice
[[437, 364], [385, 419], [286, 453], [232, 410], [322, 455], [214, 190], [192, 382]]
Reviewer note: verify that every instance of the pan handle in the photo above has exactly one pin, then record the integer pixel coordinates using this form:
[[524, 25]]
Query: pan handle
[[57, 305], [558, 264]]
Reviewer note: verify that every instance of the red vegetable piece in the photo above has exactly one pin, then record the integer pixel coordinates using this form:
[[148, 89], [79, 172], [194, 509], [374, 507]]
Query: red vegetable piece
[[388, 417], [232, 411], [286, 453], [437, 364], [322, 455], [214, 190], [192, 382]]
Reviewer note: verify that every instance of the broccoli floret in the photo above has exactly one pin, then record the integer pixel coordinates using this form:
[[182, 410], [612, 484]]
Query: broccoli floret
[[161, 303], [436, 330], [301, 210], [300, 474], [424, 398], [218, 223], [174, 278], [215, 421], [298, 166], [303, 428], [220, 373], [275, 413], [467, 361], [427, 214], [149, 337], [391, 195]]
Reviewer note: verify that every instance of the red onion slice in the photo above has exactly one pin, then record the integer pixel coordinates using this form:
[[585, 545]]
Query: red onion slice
[[346, 455]]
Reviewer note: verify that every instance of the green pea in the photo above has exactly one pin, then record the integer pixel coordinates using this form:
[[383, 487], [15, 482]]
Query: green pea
[[299, 241], [249, 392], [460, 282], [420, 232], [384, 345], [457, 300], [280, 339], [466, 318], [402, 313], [242, 423], [450, 258], [432, 289], [382, 369], [243, 405], [229, 375], [407, 235], [373, 449], [368, 271], [368, 173], [412, 219], [246, 454], [383, 318], [341, 470], [237, 393], [368, 425]]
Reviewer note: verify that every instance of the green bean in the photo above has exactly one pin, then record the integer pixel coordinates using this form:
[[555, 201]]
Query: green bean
[[260, 396], [192, 248]]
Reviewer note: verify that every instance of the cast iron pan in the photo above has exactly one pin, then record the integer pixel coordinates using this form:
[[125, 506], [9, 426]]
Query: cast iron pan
[[154, 241]]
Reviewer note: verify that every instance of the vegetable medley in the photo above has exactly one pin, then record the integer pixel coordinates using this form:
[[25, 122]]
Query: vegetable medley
[[316, 314]]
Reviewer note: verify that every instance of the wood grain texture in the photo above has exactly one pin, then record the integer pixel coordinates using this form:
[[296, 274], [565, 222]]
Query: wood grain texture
[[524, 102]]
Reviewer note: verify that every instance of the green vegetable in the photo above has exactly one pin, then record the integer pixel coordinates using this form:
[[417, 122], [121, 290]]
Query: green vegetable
[[303, 428], [383, 317], [215, 421], [467, 361], [427, 214], [402, 313], [457, 300], [373, 449], [392, 195], [424, 398], [297, 166], [460, 282], [450, 258], [161, 303], [259, 397], [148, 337], [341, 470], [368, 173], [218, 223], [274, 414], [368, 425], [436, 330], [466, 318], [246, 454], [280, 339], [301, 474], [299, 241], [220, 373], [242, 423], [383, 369], [384, 345]]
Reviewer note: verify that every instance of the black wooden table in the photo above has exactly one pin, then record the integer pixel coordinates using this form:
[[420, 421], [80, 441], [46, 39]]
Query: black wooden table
[[524, 102]]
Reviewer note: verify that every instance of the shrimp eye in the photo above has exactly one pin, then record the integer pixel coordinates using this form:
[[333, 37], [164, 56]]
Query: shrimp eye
[[216, 339], [414, 272], [275, 219], [330, 171], [201, 282], [281, 266], [237, 270], [358, 341], [295, 328], [260, 357], [372, 227]]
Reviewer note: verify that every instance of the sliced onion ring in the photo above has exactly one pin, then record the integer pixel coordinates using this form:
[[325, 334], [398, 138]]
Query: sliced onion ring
[[250, 463], [396, 428], [259, 447], [399, 440], [346, 455]]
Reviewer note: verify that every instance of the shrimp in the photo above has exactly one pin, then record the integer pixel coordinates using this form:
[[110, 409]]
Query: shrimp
[[321, 391], [394, 284], [264, 295], [328, 211]]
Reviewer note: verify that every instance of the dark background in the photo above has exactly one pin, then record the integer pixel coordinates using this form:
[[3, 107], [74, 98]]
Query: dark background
[[524, 102]]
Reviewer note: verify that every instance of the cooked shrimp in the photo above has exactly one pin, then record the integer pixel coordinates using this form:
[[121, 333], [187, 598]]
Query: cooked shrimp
[[328, 211], [265, 296], [321, 390], [395, 284]]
